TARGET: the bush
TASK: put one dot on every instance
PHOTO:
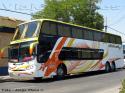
(123, 87)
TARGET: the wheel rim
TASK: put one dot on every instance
(60, 71)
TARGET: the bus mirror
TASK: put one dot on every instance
(31, 48)
(1, 53)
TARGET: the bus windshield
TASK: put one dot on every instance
(20, 53)
(26, 30)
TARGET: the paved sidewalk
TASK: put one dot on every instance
(5, 78)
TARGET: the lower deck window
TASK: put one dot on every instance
(81, 54)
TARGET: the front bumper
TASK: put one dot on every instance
(22, 75)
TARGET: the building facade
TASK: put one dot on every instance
(7, 30)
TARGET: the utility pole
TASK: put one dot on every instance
(106, 25)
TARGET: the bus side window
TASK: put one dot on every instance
(102, 37)
(77, 33)
(105, 38)
(53, 28)
(49, 28)
(80, 54)
(88, 34)
(43, 53)
(112, 39)
(98, 36)
(118, 40)
(45, 28)
(64, 30)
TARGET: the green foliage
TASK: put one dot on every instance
(123, 87)
(82, 12)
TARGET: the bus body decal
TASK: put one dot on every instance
(53, 61)
(70, 43)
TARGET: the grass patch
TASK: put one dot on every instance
(123, 87)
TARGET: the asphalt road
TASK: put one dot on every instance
(94, 82)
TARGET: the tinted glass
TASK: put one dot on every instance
(20, 52)
(118, 40)
(105, 38)
(53, 28)
(112, 39)
(20, 30)
(31, 29)
(98, 36)
(81, 54)
(64, 30)
(77, 33)
(49, 28)
(88, 34)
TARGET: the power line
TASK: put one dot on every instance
(16, 11)
(119, 20)
(115, 30)
(106, 27)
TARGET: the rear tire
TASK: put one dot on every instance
(107, 67)
(113, 66)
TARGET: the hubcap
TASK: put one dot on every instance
(60, 72)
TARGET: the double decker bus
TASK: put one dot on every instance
(46, 48)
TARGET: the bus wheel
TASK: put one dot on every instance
(107, 67)
(113, 66)
(61, 72)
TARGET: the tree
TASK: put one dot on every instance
(81, 12)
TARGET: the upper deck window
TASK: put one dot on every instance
(31, 29)
(49, 28)
(19, 30)
(26, 30)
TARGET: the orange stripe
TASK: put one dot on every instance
(54, 59)
(62, 42)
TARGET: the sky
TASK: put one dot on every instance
(25, 6)
(112, 10)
